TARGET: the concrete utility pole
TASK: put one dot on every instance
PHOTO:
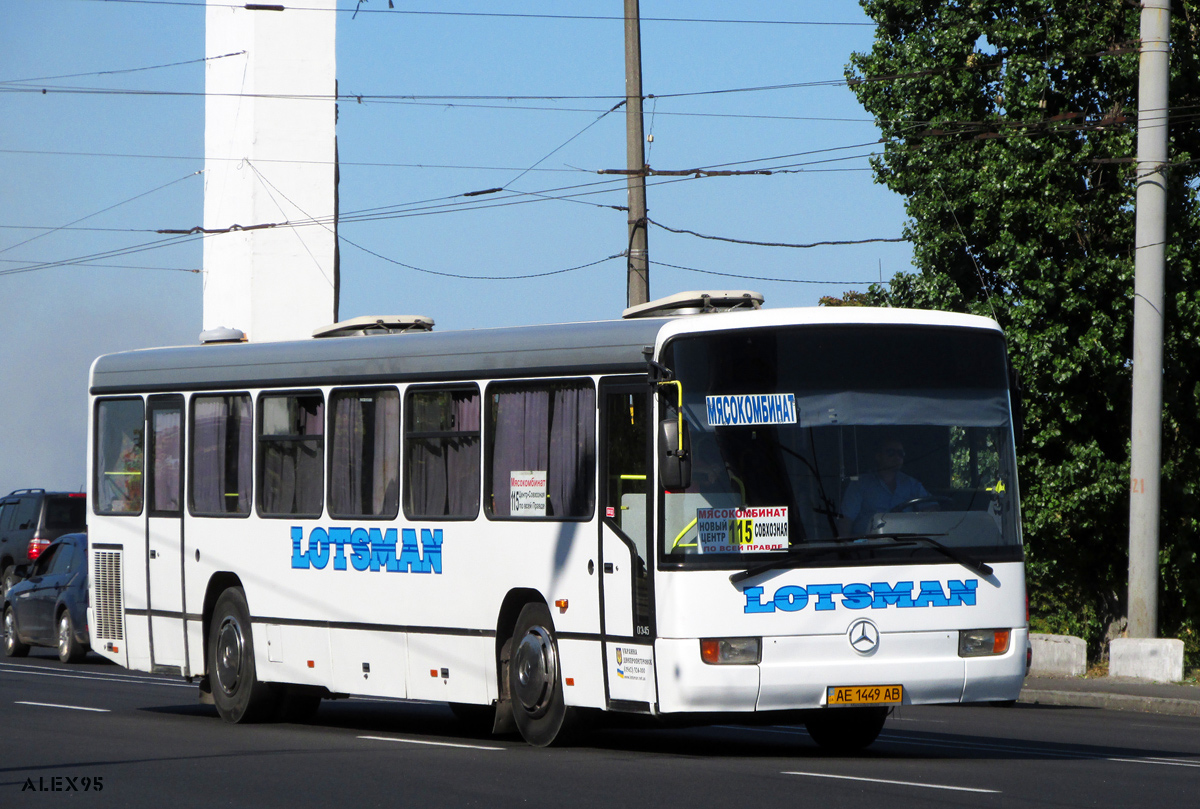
(1149, 252)
(270, 157)
(638, 265)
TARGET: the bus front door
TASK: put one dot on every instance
(627, 622)
(164, 534)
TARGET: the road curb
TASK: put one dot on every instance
(1114, 702)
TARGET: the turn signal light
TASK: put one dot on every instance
(730, 651)
(983, 642)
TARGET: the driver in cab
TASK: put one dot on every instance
(879, 492)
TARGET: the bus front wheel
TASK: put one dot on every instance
(535, 680)
(845, 730)
(236, 691)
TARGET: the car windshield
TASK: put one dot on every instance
(806, 437)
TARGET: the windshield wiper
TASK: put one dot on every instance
(796, 555)
(791, 560)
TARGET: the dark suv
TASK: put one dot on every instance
(29, 520)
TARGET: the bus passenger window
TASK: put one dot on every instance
(120, 430)
(291, 448)
(541, 450)
(222, 433)
(364, 450)
(441, 453)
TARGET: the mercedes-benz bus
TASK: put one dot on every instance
(703, 511)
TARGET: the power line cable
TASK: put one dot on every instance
(501, 15)
(102, 210)
(771, 244)
(601, 117)
(122, 70)
(760, 277)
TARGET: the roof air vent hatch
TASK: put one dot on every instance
(374, 325)
(697, 302)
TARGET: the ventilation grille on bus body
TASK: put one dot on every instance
(110, 609)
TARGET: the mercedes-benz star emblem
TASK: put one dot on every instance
(864, 636)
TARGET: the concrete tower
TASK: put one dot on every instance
(270, 158)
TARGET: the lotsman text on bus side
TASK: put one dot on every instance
(365, 549)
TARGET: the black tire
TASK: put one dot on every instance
(846, 730)
(69, 649)
(535, 680)
(236, 691)
(8, 580)
(12, 644)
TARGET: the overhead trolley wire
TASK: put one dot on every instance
(496, 14)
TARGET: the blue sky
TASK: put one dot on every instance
(86, 174)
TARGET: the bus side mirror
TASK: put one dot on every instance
(1016, 396)
(674, 463)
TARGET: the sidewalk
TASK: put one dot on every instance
(1114, 693)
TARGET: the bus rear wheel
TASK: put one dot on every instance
(535, 681)
(845, 730)
(236, 691)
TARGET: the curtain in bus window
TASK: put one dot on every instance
(551, 431)
(442, 463)
(120, 429)
(222, 442)
(165, 486)
(572, 451)
(365, 467)
(292, 447)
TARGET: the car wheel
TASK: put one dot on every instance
(69, 649)
(535, 682)
(12, 644)
(10, 578)
(845, 730)
(236, 691)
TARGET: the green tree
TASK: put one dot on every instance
(1010, 127)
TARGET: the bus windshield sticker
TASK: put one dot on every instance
(527, 494)
(742, 530)
(751, 409)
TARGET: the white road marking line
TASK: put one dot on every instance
(1038, 751)
(434, 744)
(69, 707)
(104, 678)
(897, 783)
(1164, 761)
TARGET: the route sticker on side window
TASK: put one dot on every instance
(527, 493)
(742, 530)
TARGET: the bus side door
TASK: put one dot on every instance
(626, 595)
(164, 533)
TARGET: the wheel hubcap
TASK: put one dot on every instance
(229, 655)
(537, 670)
(10, 630)
(64, 636)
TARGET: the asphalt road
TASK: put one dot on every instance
(146, 742)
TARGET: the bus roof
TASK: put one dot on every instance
(565, 349)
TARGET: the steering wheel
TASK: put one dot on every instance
(916, 501)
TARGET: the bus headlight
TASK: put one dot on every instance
(982, 642)
(730, 651)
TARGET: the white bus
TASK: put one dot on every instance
(752, 515)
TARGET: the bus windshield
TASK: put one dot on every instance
(845, 442)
